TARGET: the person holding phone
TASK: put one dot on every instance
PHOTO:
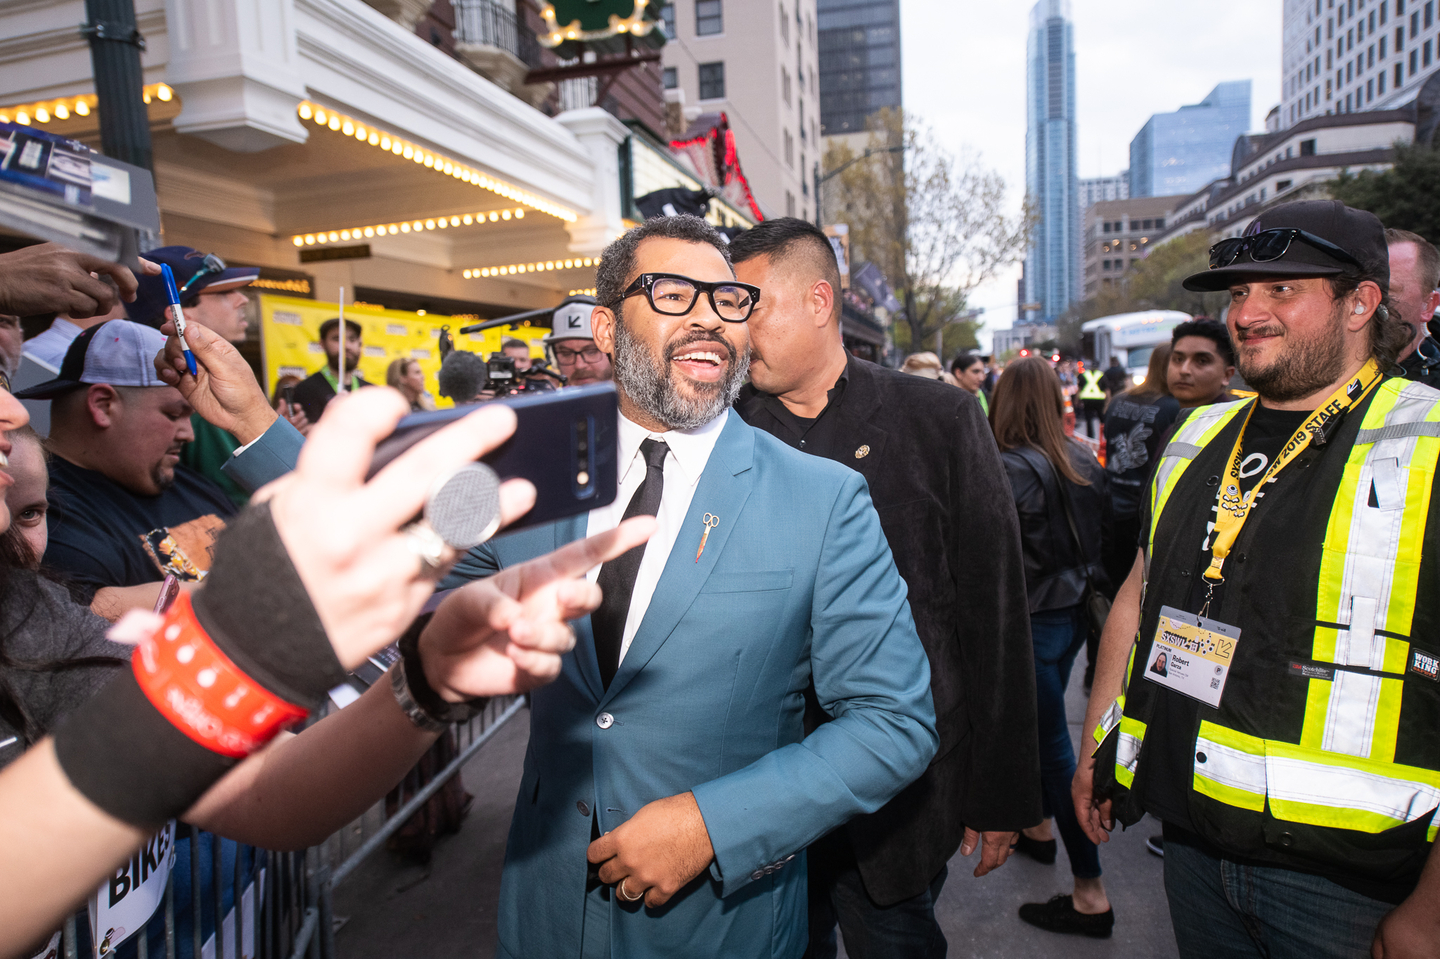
(342, 577)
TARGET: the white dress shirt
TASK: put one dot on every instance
(689, 452)
(49, 348)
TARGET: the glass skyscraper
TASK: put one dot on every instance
(859, 44)
(1051, 263)
(1178, 153)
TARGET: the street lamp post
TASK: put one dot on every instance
(819, 179)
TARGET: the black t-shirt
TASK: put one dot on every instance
(1133, 430)
(103, 535)
(818, 436)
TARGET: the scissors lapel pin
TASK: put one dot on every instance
(711, 521)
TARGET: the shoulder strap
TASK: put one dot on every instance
(1048, 475)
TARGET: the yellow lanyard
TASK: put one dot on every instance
(1233, 509)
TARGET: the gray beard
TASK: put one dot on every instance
(1306, 368)
(648, 381)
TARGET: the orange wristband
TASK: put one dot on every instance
(201, 692)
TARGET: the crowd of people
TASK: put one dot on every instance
(817, 645)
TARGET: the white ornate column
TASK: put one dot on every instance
(234, 64)
(600, 134)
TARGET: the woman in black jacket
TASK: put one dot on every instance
(1060, 497)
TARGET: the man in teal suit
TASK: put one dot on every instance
(669, 790)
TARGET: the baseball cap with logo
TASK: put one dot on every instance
(572, 320)
(1359, 236)
(195, 273)
(117, 352)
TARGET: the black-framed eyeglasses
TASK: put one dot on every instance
(1272, 245)
(589, 354)
(676, 295)
(211, 265)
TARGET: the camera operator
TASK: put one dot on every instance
(572, 344)
(527, 375)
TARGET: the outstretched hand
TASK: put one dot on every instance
(50, 278)
(223, 390)
(507, 633)
(348, 537)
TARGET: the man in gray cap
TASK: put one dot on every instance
(124, 511)
(572, 345)
(1289, 573)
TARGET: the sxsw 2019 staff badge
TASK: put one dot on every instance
(1192, 655)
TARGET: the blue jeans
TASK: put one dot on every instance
(1058, 634)
(1221, 908)
(906, 930)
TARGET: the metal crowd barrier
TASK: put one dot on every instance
(290, 911)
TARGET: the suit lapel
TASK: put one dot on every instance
(723, 489)
(860, 416)
(568, 531)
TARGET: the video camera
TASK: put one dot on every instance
(502, 379)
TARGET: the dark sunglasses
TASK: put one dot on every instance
(211, 265)
(1272, 245)
(676, 295)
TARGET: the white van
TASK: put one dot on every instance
(1130, 336)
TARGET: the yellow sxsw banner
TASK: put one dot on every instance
(290, 339)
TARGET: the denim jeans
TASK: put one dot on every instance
(1058, 634)
(906, 930)
(1221, 908)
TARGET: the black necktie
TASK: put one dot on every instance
(617, 577)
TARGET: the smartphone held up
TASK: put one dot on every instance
(564, 444)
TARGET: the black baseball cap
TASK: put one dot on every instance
(1357, 232)
(193, 275)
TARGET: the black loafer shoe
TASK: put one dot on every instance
(1059, 915)
(1040, 851)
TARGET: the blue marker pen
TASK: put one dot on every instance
(179, 316)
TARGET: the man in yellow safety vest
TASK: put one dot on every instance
(1092, 397)
(1289, 576)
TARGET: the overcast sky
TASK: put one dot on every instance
(964, 73)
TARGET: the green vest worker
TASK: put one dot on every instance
(1092, 390)
(1289, 575)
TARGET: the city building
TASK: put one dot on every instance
(1291, 164)
(1021, 336)
(1118, 233)
(1347, 56)
(1051, 262)
(754, 61)
(1093, 190)
(1180, 152)
(859, 62)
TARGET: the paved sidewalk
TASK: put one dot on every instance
(447, 911)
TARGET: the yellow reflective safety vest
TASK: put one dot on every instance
(1091, 390)
(1325, 748)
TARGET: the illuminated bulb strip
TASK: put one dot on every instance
(350, 127)
(411, 226)
(543, 266)
(43, 111)
(589, 292)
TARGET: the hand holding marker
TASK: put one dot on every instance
(179, 316)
